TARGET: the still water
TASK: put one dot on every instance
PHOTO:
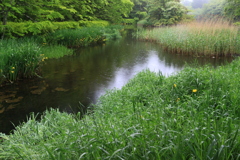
(71, 82)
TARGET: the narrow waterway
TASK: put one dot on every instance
(73, 83)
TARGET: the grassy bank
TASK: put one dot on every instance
(207, 38)
(191, 115)
(83, 37)
(22, 57)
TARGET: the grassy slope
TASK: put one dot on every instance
(191, 115)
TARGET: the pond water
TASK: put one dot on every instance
(73, 83)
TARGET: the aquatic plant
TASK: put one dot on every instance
(190, 115)
(55, 51)
(19, 58)
(206, 38)
(83, 36)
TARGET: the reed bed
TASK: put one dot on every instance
(191, 115)
(215, 38)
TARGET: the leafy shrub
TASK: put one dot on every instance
(12, 29)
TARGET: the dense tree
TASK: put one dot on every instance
(62, 10)
(139, 10)
(233, 9)
(165, 12)
(214, 8)
(114, 10)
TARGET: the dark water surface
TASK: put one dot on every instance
(82, 78)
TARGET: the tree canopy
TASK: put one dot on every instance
(156, 12)
(62, 10)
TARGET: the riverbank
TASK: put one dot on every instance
(211, 38)
(23, 57)
(191, 115)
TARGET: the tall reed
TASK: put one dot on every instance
(191, 115)
(204, 38)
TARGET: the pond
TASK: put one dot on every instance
(73, 83)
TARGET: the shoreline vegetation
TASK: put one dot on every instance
(209, 38)
(190, 115)
(23, 55)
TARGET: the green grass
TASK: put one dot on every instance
(19, 58)
(208, 38)
(22, 58)
(82, 37)
(191, 115)
(55, 51)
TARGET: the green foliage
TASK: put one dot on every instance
(19, 59)
(84, 36)
(139, 10)
(129, 21)
(55, 51)
(13, 29)
(115, 10)
(60, 10)
(191, 115)
(233, 9)
(215, 8)
(94, 23)
(166, 13)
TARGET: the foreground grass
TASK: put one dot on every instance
(191, 115)
(207, 38)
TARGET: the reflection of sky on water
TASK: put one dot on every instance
(124, 74)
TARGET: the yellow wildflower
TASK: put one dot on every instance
(12, 71)
(175, 85)
(13, 67)
(194, 90)
(178, 99)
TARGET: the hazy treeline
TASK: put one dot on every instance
(222, 8)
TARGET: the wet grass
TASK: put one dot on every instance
(55, 51)
(207, 38)
(19, 58)
(191, 115)
(22, 58)
(83, 37)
